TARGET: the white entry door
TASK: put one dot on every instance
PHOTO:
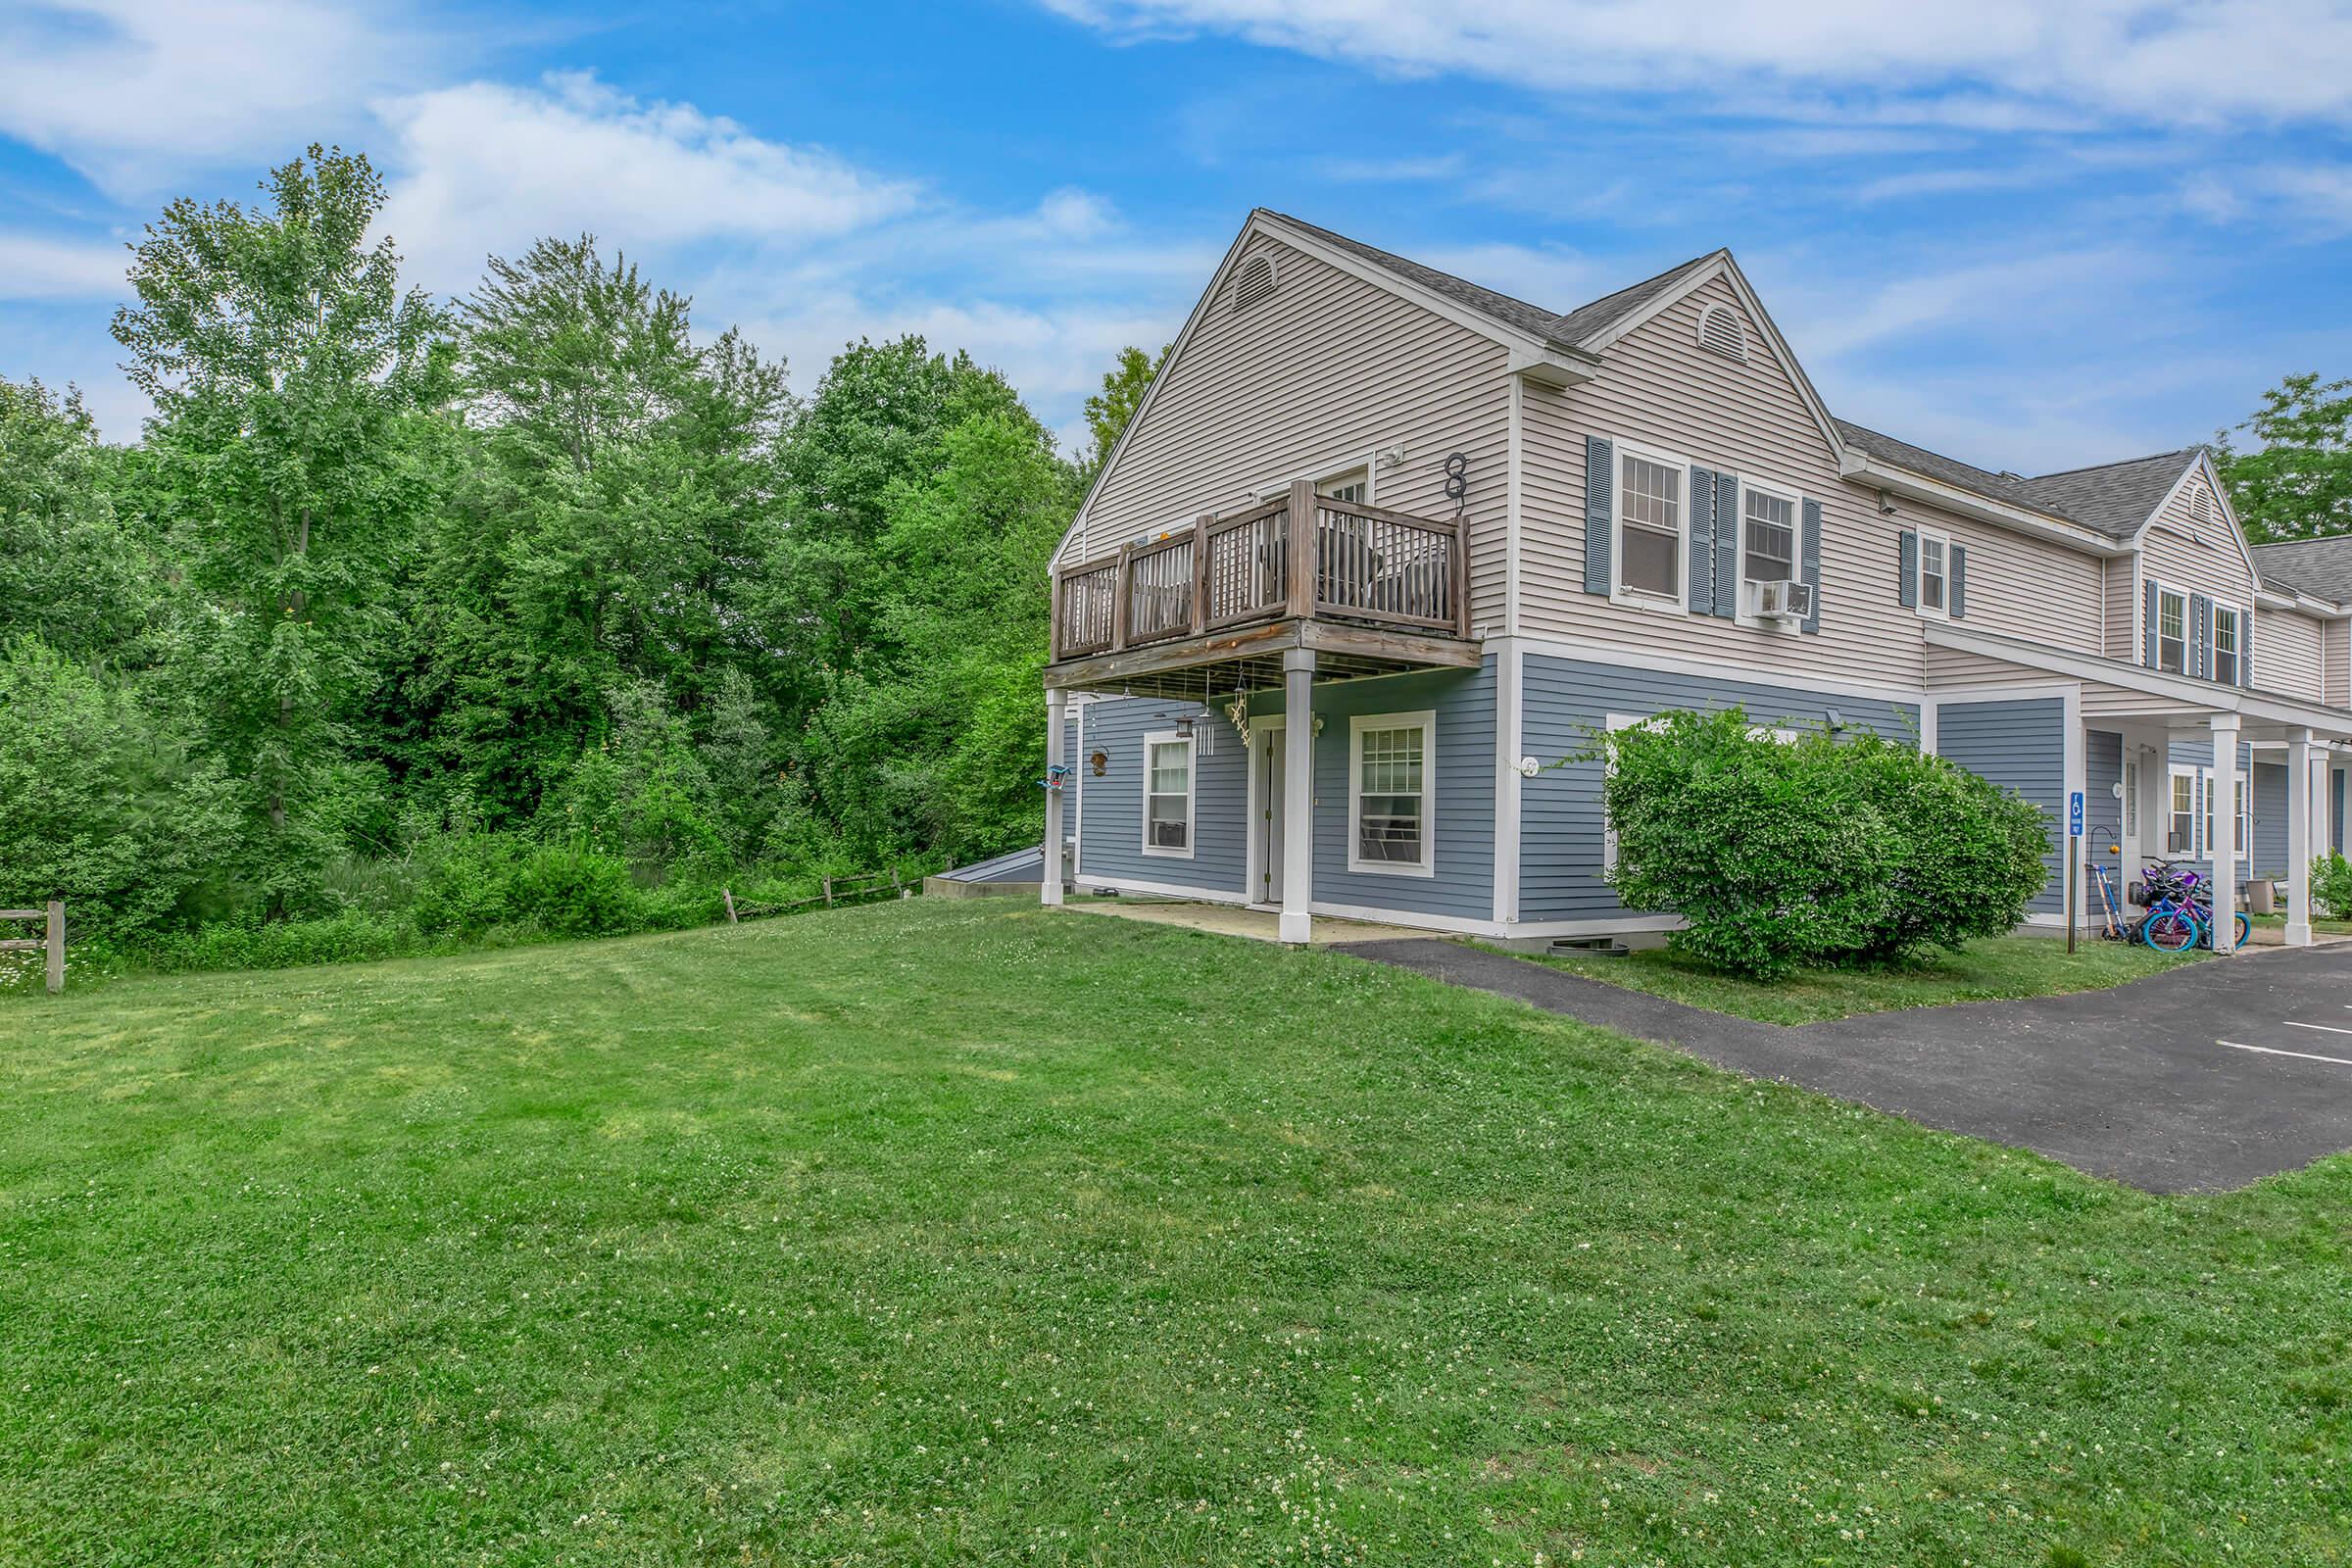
(1269, 812)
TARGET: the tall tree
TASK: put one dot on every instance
(70, 572)
(2297, 483)
(1110, 411)
(284, 358)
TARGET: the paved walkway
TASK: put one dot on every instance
(2201, 1078)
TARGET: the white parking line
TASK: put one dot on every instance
(2274, 1051)
(2324, 1028)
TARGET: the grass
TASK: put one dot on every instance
(960, 1232)
(1995, 969)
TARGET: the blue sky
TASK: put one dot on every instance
(2031, 235)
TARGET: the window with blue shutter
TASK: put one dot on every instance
(1813, 563)
(1907, 560)
(1727, 560)
(1709, 534)
(2148, 622)
(1601, 504)
(1959, 582)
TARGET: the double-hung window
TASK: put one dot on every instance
(2172, 630)
(1168, 794)
(1934, 574)
(2181, 838)
(1767, 537)
(1392, 769)
(1649, 529)
(2227, 652)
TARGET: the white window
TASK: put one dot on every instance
(1391, 777)
(1168, 794)
(2172, 630)
(1649, 531)
(2181, 837)
(1352, 485)
(1934, 574)
(1767, 536)
(2225, 644)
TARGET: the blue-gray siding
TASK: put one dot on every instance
(2019, 744)
(2102, 813)
(1560, 843)
(1462, 813)
(2269, 819)
(1110, 846)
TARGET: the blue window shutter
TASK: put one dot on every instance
(2201, 633)
(1726, 545)
(1703, 542)
(2245, 648)
(2148, 621)
(1600, 503)
(1908, 563)
(1812, 566)
(1957, 595)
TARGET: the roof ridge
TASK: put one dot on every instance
(1658, 277)
(2119, 463)
(1408, 261)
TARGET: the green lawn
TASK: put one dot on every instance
(1996, 968)
(960, 1232)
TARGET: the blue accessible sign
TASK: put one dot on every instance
(2074, 813)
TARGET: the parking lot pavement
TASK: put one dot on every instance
(2202, 1078)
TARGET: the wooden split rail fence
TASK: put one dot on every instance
(837, 890)
(51, 942)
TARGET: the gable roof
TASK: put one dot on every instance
(2318, 567)
(2115, 498)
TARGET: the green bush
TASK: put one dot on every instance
(467, 883)
(1823, 850)
(572, 892)
(2331, 885)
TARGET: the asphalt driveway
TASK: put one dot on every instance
(2202, 1078)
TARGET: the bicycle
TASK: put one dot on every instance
(2179, 915)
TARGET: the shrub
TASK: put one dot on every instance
(573, 892)
(1817, 851)
(467, 883)
(2331, 885)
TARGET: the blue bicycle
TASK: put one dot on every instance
(2179, 911)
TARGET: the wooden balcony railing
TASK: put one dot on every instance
(1365, 563)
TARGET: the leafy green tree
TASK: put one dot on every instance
(71, 573)
(284, 358)
(2297, 483)
(1110, 410)
(621, 518)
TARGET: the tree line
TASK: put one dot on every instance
(393, 587)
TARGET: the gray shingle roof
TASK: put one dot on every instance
(1570, 330)
(2115, 498)
(2110, 498)
(2320, 568)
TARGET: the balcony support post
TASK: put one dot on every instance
(1305, 549)
(1298, 794)
(1049, 874)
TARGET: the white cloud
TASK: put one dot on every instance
(36, 268)
(1990, 64)
(2316, 196)
(484, 167)
(131, 92)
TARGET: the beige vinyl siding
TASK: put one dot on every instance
(1312, 380)
(2335, 662)
(2286, 653)
(1658, 388)
(1954, 666)
(2123, 607)
(2203, 557)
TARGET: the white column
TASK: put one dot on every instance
(2298, 838)
(2225, 831)
(1056, 703)
(1297, 793)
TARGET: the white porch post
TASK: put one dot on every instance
(2298, 838)
(2225, 831)
(1056, 704)
(1297, 793)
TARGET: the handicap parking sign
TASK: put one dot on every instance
(2074, 813)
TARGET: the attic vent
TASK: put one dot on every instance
(1253, 282)
(1720, 332)
(2200, 506)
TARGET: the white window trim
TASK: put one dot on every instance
(2189, 632)
(1796, 551)
(2204, 817)
(1919, 574)
(1192, 793)
(2213, 646)
(2196, 811)
(1358, 723)
(1619, 594)
(1368, 466)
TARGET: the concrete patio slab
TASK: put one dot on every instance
(1232, 920)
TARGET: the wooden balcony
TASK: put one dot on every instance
(1374, 592)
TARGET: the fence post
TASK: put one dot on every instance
(828, 891)
(896, 886)
(729, 897)
(56, 944)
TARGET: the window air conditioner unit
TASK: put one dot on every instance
(1782, 600)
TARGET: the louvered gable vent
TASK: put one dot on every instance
(1253, 282)
(1720, 332)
